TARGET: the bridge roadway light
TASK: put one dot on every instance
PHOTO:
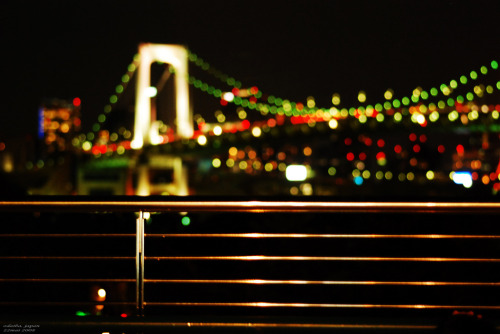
(151, 91)
(154, 133)
(296, 173)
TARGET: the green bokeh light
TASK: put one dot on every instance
(101, 118)
(186, 221)
(81, 313)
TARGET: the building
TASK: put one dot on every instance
(58, 123)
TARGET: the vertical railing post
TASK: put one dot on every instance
(139, 264)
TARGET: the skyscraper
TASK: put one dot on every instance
(59, 122)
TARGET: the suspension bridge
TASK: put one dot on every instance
(439, 137)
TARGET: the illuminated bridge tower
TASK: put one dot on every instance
(177, 57)
(145, 133)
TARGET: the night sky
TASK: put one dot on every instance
(291, 49)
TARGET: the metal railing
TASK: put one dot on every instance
(167, 289)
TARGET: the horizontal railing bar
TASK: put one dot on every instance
(36, 303)
(188, 205)
(67, 258)
(261, 235)
(69, 235)
(67, 280)
(319, 258)
(328, 236)
(313, 282)
(256, 258)
(326, 305)
(139, 324)
(300, 325)
(244, 281)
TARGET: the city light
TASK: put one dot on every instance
(333, 124)
(388, 94)
(463, 178)
(358, 180)
(362, 97)
(101, 293)
(336, 99)
(228, 96)
(296, 173)
(216, 163)
(256, 132)
(217, 130)
(202, 140)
